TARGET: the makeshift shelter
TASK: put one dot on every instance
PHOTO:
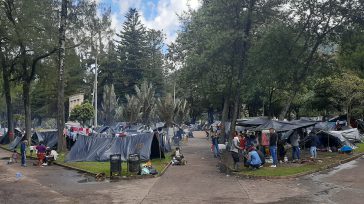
(252, 122)
(352, 134)
(279, 126)
(105, 130)
(329, 139)
(14, 144)
(99, 148)
(5, 138)
(360, 124)
(49, 138)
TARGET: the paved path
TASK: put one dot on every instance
(198, 182)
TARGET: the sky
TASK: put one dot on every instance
(155, 14)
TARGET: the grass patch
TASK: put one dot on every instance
(324, 159)
(104, 167)
(360, 148)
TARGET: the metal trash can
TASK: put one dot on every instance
(115, 165)
(134, 163)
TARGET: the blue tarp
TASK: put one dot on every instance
(95, 148)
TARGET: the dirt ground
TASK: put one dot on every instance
(200, 181)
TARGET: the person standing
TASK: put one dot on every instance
(41, 149)
(235, 147)
(265, 143)
(23, 150)
(273, 138)
(215, 143)
(314, 143)
(295, 146)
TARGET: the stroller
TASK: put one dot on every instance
(178, 158)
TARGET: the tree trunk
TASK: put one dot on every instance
(348, 114)
(287, 106)
(9, 106)
(60, 99)
(243, 50)
(225, 112)
(28, 117)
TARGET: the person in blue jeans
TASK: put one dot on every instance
(215, 143)
(295, 146)
(23, 150)
(314, 143)
(273, 139)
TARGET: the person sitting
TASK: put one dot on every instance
(178, 158)
(253, 159)
(48, 157)
(14, 157)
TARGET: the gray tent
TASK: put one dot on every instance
(95, 148)
(48, 137)
(352, 134)
(329, 139)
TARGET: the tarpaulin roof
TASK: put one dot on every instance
(279, 126)
(325, 125)
(6, 140)
(253, 122)
(303, 123)
(95, 148)
(14, 144)
(49, 138)
(350, 134)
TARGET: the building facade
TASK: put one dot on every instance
(76, 99)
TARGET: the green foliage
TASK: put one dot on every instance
(342, 92)
(130, 111)
(351, 55)
(82, 113)
(166, 109)
(145, 97)
(131, 50)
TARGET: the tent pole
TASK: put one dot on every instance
(160, 151)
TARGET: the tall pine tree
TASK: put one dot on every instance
(131, 50)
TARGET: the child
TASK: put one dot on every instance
(178, 157)
(14, 157)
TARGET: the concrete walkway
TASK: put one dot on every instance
(197, 182)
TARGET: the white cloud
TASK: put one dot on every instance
(124, 5)
(166, 18)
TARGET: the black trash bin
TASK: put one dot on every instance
(134, 163)
(115, 165)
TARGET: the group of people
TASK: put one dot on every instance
(44, 154)
(255, 147)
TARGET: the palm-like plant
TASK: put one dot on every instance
(145, 96)
(166, 109)
(182, 112)
(131, 110)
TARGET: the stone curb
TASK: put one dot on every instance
(94, 174)
(237, 174)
